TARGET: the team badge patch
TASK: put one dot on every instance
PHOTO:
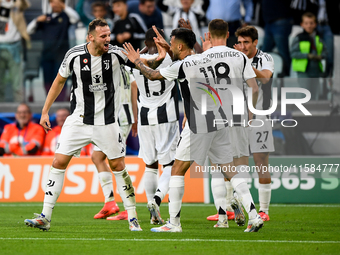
(85, 61)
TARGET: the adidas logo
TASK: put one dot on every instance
(263, 147)
(85, 68)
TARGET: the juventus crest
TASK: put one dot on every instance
(107, 64)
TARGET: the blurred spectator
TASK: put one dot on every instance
(22, 138)
(149, 12)
(307, 51)
(127, 27)
(187, 11)
(12, 30)
(230, 11)
(324, 16)
(51, 139)
(46, 8)
(278, 21)
(98, 11)
(54, 27)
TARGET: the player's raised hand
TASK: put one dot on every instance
(161, 52)
(45, 122)
(206, 43)
(160, 40)
(130, 52)
(237, 46)
(185, 24)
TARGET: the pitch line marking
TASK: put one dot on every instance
(171, 240)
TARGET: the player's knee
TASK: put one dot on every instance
(117, 164)
(60, 163)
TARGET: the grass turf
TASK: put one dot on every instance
(311, 229)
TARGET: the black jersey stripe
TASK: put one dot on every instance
(127, 113)
(86, 79)
(174, 96)
(209, 119)
(110, 91)
(144, 116)
(161, 114)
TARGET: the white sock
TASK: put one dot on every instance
(219, 193)
(265, 192)
(230, 192)
(176, 191)
(105, 179)
(126, 192)
(150, 182)
(242, 190)
(163, 185)
(54, 187)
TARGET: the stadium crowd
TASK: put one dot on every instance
(128, 20)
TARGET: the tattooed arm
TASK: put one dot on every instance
(148, 72)
(133, 56)
(152, 62)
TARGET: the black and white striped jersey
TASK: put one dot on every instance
(125, 112)
(157, 100)
(204, 80)
(95, 81)
(263, 61)
(236, 78)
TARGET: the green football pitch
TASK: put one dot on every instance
(293, 229)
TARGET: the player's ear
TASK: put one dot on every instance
(228, 35)
(256, 42)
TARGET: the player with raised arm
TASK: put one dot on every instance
(95, 69)
(200, 137)
(158, 130)
(260, 138)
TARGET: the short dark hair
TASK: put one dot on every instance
(98, 4)
(185, 35)
(117, 1)
(247, 31)
(150, 34)
(218, 28)
(308, 15)
(96, 23)
(63, 1)
(144, 1)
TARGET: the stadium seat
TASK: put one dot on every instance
(31, 70)
(260, 32)
(278, 63)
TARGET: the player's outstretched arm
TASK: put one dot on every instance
(156, 61)
(206, 43)
(133, 56)
(53, 93)
(263, 75)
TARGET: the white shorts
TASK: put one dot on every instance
(261, 138)
(239, 141)
(158, 142)
(196, 147)
(124, 131)
(74, 136)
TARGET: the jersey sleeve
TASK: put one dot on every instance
(65, 70)
(171, 72)
(248, 71)
(118, 51)
(267, 62)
